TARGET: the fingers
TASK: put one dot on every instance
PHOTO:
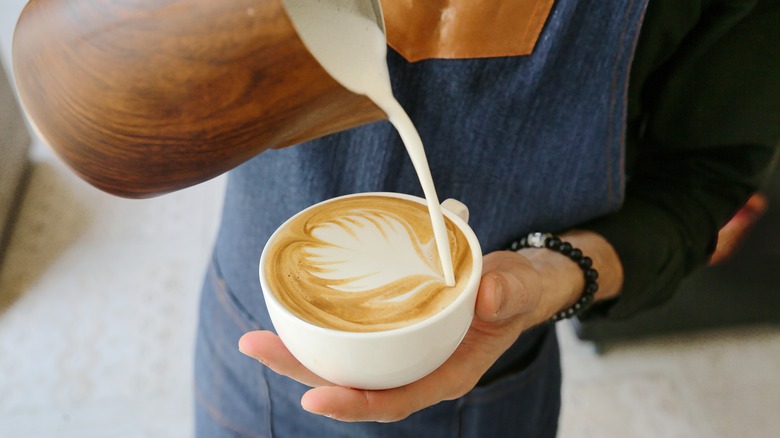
(453, 379)
(269, 349)
(509, 287)
(457, 376)
(347, 404)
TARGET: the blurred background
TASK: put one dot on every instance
(98, 299)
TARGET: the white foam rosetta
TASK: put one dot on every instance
(367, 250)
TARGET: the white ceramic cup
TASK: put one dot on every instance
(384, 359)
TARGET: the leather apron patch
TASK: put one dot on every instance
(456, 29)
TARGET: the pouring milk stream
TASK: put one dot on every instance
(352, 49)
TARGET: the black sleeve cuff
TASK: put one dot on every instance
(653, 255)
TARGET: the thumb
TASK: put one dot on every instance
(503, 295)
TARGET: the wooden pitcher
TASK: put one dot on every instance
(144, 97)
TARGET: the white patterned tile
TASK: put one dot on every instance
(639, 407)
(720, 382)
(98, 311)
(748, 356)
(742, 411)
(106, 418)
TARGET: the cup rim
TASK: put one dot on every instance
(476, 274)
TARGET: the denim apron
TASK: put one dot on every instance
(527, 143)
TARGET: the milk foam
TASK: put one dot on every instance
(367, 250)
(351, 47)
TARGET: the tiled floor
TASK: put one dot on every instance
(97, 314)
(97, 309)
(716, 384)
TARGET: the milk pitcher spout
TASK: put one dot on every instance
(145, 97)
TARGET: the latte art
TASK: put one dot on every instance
(367, 249)
(364, 263)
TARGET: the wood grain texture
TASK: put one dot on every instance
(144, 97)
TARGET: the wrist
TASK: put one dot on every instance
(605, 260)
(568, 266)
(561, 280)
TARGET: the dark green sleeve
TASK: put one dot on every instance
(702, 132)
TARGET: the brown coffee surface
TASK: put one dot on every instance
(364, 263)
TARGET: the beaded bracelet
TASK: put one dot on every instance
(550, 241)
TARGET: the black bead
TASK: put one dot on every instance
(585, 263)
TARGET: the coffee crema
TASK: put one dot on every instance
(364, 263)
